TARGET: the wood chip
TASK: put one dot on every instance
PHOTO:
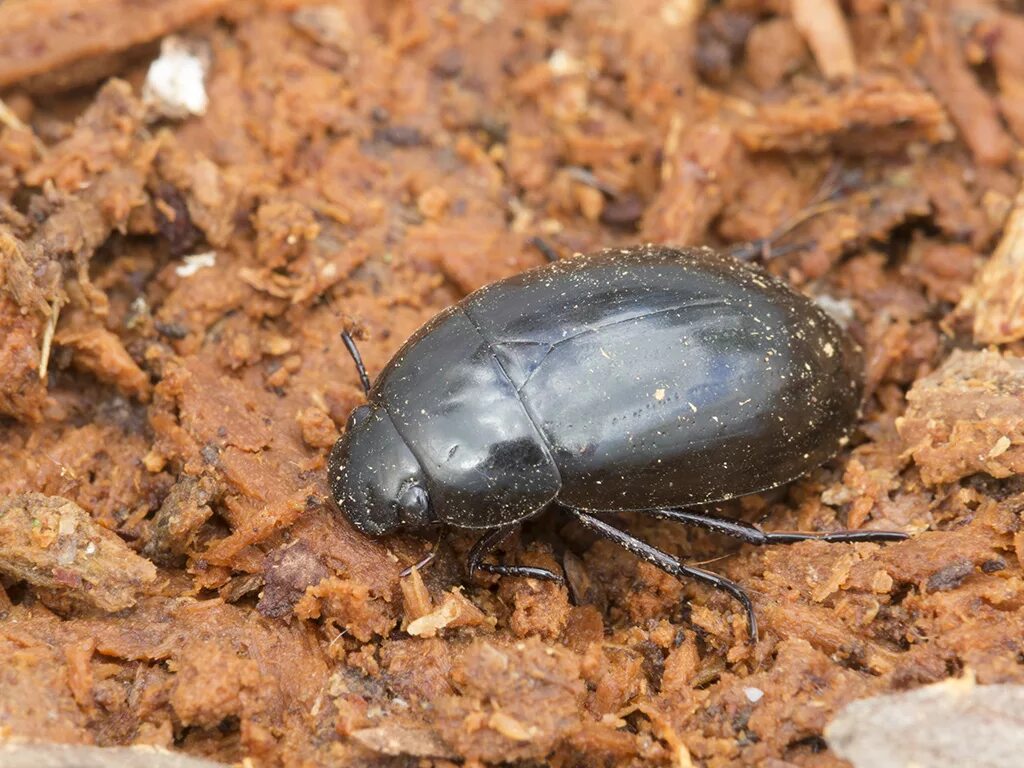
(973, 110)
(966, 417)
(39, 36)
(399, 740)
(996, 299)
(892, 112)
(455, 611)
(415, 598)
(53, 543)
(80, 756)
(822, 24)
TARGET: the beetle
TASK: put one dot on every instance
(648, 379)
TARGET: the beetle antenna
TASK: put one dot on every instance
(824, 200)
(541, 245)
(427, 559)
(350, 345)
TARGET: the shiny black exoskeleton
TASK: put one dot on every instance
(644, 379)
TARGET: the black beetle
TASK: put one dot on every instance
(645, 379)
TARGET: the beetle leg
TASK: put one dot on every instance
(488, 543)
(669, 564)
(751, 534)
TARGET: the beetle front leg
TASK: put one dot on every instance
(491, 541)
(668, 563)
(751, 534)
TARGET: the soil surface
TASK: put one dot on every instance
(172, 569)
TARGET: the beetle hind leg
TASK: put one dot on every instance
(491, 541)
(749, 533)
(669, 564)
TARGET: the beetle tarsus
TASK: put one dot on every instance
(849, 537)
(521, 571)
(749, 533)
(491, 541)
(669, 564)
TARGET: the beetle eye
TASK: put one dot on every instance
(414, 505)
(357, 416)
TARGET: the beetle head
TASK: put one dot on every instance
(375, 480)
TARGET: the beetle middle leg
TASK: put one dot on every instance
(751, 534)
(491, 541)
(668, 563)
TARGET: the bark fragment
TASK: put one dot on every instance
(52, 543)
(967, 417)
(40, 36)
(996, 299)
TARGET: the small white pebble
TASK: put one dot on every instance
(841, 310)
(1002, 445)
(175, 83)
(753, 694)
(562, 62)
(196, 262)
(680, 13)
